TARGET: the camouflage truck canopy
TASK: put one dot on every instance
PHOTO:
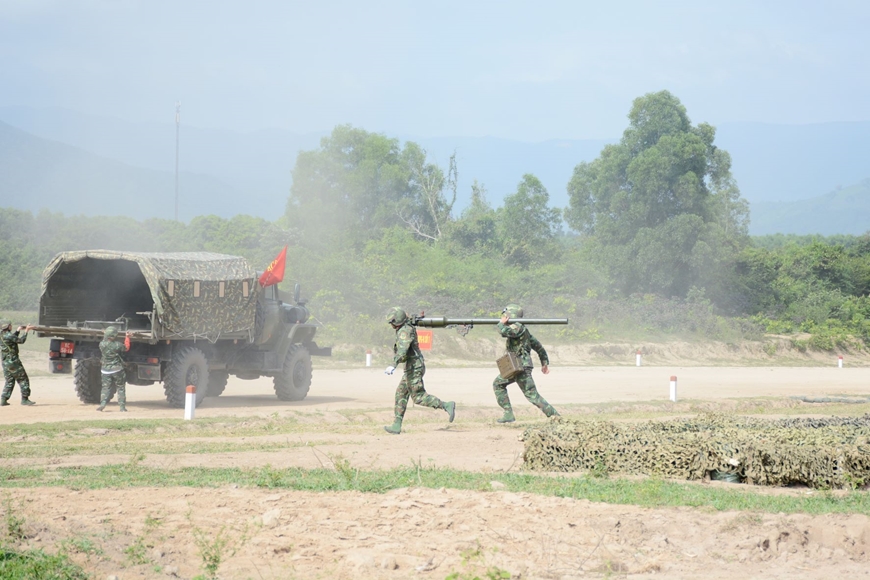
(192, 294)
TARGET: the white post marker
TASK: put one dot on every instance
(189, 403)
(840, 361)
(368, 358)
(637, 359)
(674, 388)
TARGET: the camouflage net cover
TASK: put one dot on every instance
(827, 453)
(226, 302)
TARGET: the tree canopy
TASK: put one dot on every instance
(358, 183)
(661, 206)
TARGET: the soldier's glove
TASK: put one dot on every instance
(389, 370)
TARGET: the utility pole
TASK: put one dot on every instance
(177, 124)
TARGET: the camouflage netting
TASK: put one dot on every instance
(829, 453)
(195, 294)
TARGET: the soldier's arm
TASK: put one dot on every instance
(539, 348)
(403, 343)
(20, 338)
(510, 330)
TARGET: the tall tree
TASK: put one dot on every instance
(474, 232)
(661, 206)
(359, 183)
(527, 226)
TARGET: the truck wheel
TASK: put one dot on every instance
(293, 382)
(217, 382)
(87, 381)
(187, 367)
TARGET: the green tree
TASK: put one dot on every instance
(526, 226)
(660, 207)
(474, 232)
(359, 183)
(425, 209)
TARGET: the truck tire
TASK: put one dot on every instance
(187, 367)
(294, 380)
(87, 381)
(217, 382)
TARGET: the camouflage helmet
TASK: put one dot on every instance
(110, 332)
(396, 316)
(4, 324)
(513, 310)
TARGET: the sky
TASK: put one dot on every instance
(530, 71)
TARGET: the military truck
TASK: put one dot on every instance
(194, 318)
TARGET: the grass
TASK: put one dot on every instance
(30, 564)
(639, 492)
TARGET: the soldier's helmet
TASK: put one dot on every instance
(110, 332)
(4, 324)
(396, 316)
(514, 310)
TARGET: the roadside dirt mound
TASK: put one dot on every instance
(427, 533)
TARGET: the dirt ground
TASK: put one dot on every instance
(425, 533)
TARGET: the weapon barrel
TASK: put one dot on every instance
(442, 321)
(72, 332)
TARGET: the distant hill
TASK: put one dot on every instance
(791, 162)
(255, 167)
(844, 211)
(262, 161)
(38, 173)
(226, 172)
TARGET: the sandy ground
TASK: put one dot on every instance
(369, 388)
(423, 533)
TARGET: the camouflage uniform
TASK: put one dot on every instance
(407, 350)
(520, 342)
(13, 369)
(112, 371)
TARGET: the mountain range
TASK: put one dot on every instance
(798, 179)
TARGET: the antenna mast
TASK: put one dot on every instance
(177, 124)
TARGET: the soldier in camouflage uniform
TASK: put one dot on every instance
(112, 370)
(407, 351)
(520, 342)
(13, 370)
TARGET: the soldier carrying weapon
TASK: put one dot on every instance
(13, 369)
(520, 342)
(407, 351)
(518, 360)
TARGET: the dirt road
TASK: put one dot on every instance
(369, 388)
(426, 533)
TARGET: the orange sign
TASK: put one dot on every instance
(424, 339)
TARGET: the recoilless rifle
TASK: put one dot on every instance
(465, 324)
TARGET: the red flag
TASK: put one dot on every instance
(275, 272)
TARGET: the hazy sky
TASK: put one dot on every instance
(521, 70)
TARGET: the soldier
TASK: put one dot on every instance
(113, 374)
(520, 342)
(407, 351)
(13, 370)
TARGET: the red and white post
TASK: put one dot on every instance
(368, 358)
(189, 403)
(674, 388)
(840, 361)
(637, 359)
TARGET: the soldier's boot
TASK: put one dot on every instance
(508, 417)
(122, 408)
(102, 405)
(450, 407)
(26, 401)
(4, 402)
(395, 428)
